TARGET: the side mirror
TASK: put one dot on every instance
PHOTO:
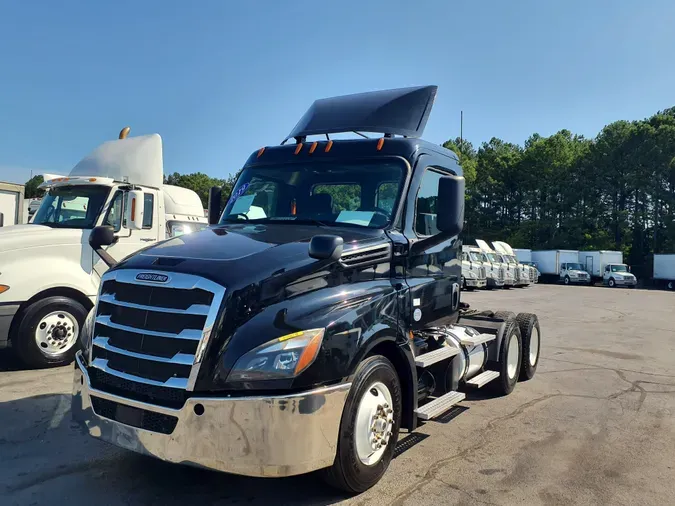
(102, 236)
(135, 210)
(450, 211)
(326, 247)
(215, 196)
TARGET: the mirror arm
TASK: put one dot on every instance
(106, 257)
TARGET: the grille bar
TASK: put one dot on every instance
(102, 364)
(178, 358)
(195, 309)
(190, 334)
(152, 329)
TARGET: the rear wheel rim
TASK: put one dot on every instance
(374, 423)
(56, 333)
(512, 356)
(534, 346)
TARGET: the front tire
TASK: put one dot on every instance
(47, 333)
(530, 334)
(611, 283)
(567, 280)
(368, 429)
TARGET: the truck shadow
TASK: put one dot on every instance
(45, 455)
(9, 362)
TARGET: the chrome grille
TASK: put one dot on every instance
(153, 333)
(482, 273)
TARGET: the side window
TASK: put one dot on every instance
(113, 217)
(344, 197)
(562, 267)
(425, 208)
(148, 207)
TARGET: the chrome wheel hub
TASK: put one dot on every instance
(56, 333)
(374, 423)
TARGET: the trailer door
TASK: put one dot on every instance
(589, 265)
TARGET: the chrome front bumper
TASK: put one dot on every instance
(475, 283)
(625, 282)
(254, 436)
(495, 282)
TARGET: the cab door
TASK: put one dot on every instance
(130, 241)
(434, 273)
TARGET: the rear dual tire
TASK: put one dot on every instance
(510, 355)
(353, 470)
(530, 332)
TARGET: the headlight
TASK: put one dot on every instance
(87, 333)
(281, 358)
(472, 275)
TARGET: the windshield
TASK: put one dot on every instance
(72, 206)
(512, 259)
(178, 228)
(351, 193)
(619, 268)
(574, 267)
(494, 258)
(476, 257)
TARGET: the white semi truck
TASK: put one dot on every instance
(524, 256)
(474, 273)
(521, 272)
(499, 262)
(561, 265)
(50, 275)
(493, 274)
(664, 270)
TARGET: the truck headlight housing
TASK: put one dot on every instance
(282, 358)
(87, 333)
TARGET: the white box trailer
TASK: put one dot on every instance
(11, 204)
(595, 261)
(664, 270)
(549, 261)
(523, 255)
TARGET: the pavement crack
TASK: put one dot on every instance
(465, 492)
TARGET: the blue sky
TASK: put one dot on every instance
(218, 79)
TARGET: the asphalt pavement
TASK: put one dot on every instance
(596, 425)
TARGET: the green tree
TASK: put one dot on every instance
(31, 188)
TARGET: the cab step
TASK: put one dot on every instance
(471, 341)
(432, 357)
(483, 378)
(439, 405)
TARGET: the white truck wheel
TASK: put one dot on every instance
(369, 427)
(48, 330)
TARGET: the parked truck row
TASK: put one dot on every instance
(496, 266)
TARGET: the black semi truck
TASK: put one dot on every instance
(315, 318)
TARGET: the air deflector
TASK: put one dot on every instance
(402, 111)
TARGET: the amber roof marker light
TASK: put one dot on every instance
(380, 143)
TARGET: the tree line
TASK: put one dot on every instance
(615, 191)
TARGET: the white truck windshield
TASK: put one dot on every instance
(72, 206)
(619, 268)
(351, 193)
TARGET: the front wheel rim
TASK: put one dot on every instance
(374, 423)
(56, 333)
(513, 356)
(534, 346)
